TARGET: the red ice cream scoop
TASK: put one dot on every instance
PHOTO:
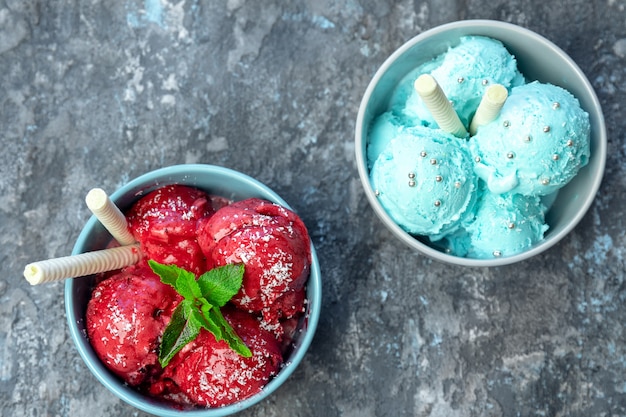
(125, 319)
(211, 374)
(165, 221)
(274, 245)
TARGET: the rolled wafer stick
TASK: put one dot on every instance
(109, 215)
(489, 107)
(81, 265)
(439, 106)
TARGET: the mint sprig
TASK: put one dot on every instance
(200, 307)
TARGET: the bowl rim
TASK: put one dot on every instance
(143, 402)
(361, 141)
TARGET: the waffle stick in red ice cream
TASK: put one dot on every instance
(96, 262)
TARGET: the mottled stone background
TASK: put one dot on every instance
(95, 93)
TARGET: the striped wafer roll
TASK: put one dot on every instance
(109, 215)
(81, 265)
(489, 107)
(439, 106)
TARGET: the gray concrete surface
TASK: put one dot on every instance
(96, 93)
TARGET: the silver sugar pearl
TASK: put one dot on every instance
(555, 157)
(570, 143)
(506, 123)
(528, 138)
(556, 105)
(411, 183)
(437, 203)
(460, 80)
(485, 82)
(438, 178)
(497, 253)
(545, 181)
(511, 225)
(411, 174)
(477, 159)
(433, 161)
(510, 155)
(423, 154)
(546, 129)
(377, 193)
(457, 184)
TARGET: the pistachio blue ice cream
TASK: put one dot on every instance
(464, 72)
(537, 144)
(424, 179)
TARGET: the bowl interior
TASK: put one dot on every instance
(538, 59)
(215, 180)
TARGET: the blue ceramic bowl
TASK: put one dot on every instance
(215, 180)
(538, 59)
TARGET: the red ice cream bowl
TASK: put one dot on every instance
(538, 59)
(215, 180)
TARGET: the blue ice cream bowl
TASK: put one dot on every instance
(218, 181)
(538, 59)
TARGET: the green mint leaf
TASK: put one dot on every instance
(182, 280)
(178, 332)
(229, 334)
(203, 315)
(200, 307)
(219, 285)
(168, 273)
(187, 286)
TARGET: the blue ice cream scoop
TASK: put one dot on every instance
(384, 128)
(504, 225)
(464, 72)
(536, 145)
(425, 181)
